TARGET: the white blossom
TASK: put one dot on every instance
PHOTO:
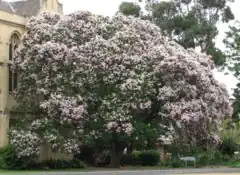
(26, 143)
(83, 68)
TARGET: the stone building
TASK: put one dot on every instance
(13, 18)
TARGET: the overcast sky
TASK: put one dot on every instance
(102, 7)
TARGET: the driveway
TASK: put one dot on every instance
(205, 171)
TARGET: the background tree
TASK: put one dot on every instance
(232, 42)
(96, 79)
(130, 8)
(191, 23)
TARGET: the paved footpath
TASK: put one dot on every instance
(200, 171)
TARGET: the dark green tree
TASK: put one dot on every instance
(130, 8)
(232, 42)
(191, 23)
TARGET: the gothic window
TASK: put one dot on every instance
(13, 76)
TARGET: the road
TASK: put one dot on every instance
(207, 171)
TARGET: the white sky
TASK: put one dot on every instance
(110, 7)
(101, 7)
(229, 80)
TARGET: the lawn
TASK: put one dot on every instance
(129, 168)
(235, 165)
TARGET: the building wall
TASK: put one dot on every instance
(52, 6)
(9, 24)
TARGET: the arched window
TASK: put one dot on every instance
(13, 76)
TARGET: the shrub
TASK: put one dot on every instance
(131, 159)
(145, 158)
(10, 161)
(60, 164)
(136, 157)
(228, 146)
(149, 158)
(8, 157)
(212, 157)
(176, 163)
(203, 159)
(77, 163)
(235, 164)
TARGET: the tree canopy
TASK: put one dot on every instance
(130, 8)
(88, 78)
(232, 42)
(191, 23)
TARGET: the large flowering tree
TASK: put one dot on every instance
(90, 78)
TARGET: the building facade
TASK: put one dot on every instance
(13, 18)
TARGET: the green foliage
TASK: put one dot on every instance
(149, 158)
(236, 94)
(212, 157)
(10, 161)
(219, 56)
(60, 164)
(136, 155)
(131, 159)
(127, 159)
(235, 164)
(144, 158)
(145, 135)
(191, 23)
(130, 8)
(207, 158)
(232, 43)
(229, 146)
(235, 161)
(178, 149)
(231, 131)
(9, 158)
(176, 163)
(203, 158)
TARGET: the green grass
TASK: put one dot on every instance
(34, 171)
(89, 169)
(235, 164)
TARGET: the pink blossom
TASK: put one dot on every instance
(82, 66)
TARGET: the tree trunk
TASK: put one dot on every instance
(116, 155)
